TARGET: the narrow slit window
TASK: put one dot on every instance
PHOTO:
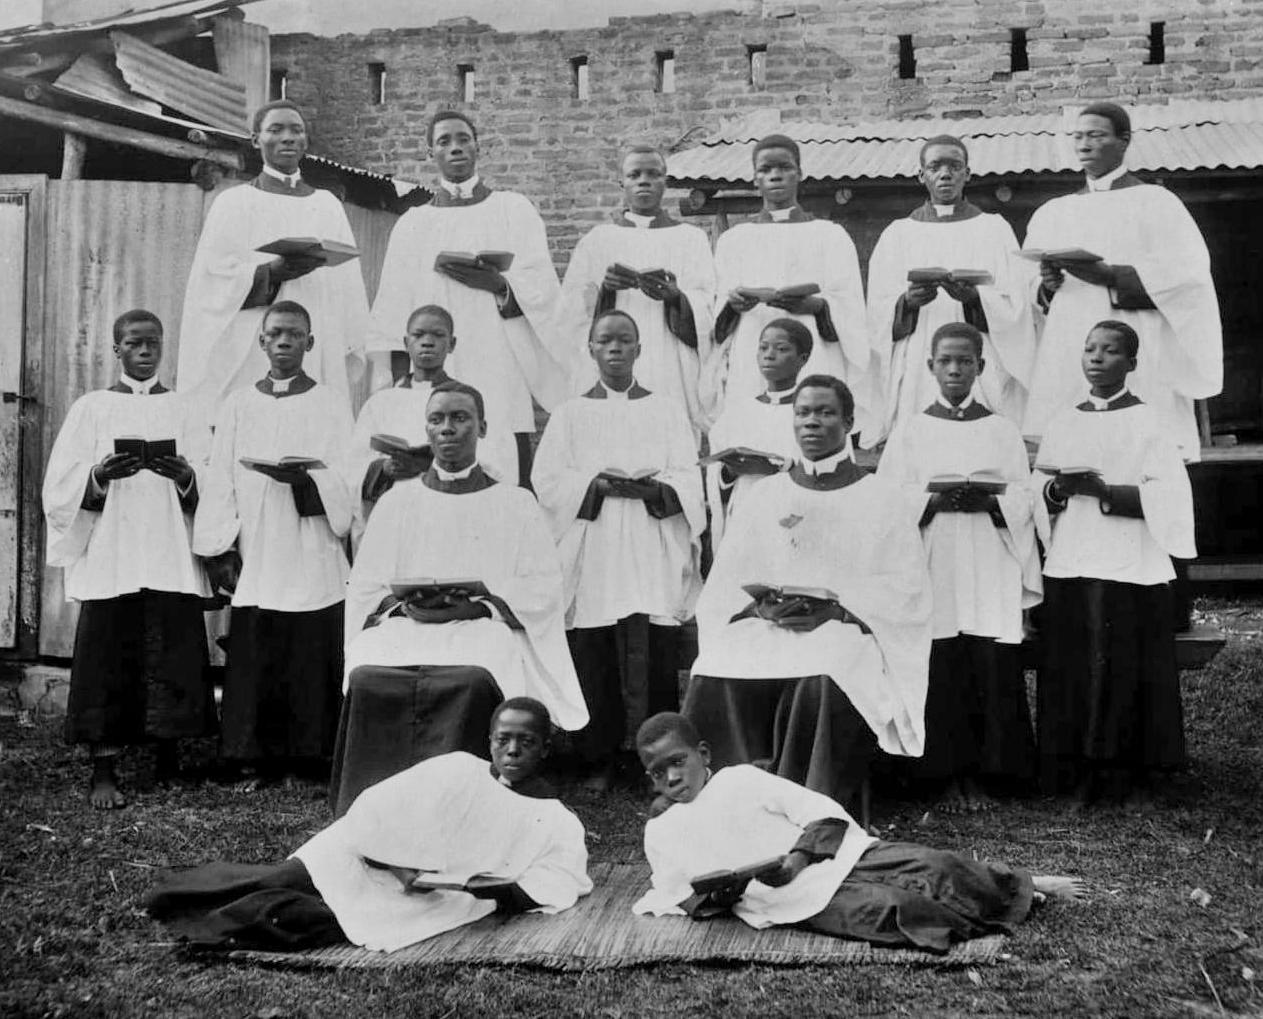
(1157, 42)
(907, 58)
(664, 63)
(1018, 58)
(579, 77)
(465, 81)
(279, 84)
(757, 55)
(377, 83)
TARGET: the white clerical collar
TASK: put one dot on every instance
(961, 407)
(291, 179)
(454, 475)
(781, 395)
(830, 463)
(459, 189)
(944, 210)
(1103, 404)
(136, 385)
(615, 394)
(1106, 181)
(781, 215)
(637, 220)
(281, 385)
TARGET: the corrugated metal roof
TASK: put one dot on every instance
(97, 78)
(28, 34)
(1190, 135)
(153, 72)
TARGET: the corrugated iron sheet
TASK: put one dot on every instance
(97, 78)
(243, 54)
(111, 246)
(205, 95)
(28, 34)
(1230, 144)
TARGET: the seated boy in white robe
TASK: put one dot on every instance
(454, 602)
(763, 423)
(774, 853)
(616, 473)
(274, 534)
(445, 843)
(814, 624)
(120, 523)
(984, 567)
(1113, 485)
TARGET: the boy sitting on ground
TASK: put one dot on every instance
(822, 871)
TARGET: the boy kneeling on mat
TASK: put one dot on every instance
(774, 852)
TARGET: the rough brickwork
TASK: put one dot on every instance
(834, 61)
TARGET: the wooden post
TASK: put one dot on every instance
(74, 148)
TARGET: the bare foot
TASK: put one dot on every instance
(977, 800)
(105, 793)
(1057, 886)
(598, 781)
(953, 800)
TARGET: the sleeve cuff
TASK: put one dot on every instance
(263, 289)
(508, 306)
(905, 322)
(1128, 292)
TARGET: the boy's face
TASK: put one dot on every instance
(614, 348)
(139, 349)
(517, 746)
(955, 365)
(1106, 361)
(454, 149)
(777, 175)
(820, 426)
(282, 139)
(644, 181)
(944, 172)
(285, 338)
(677, 770)
(453, 427)
(429, 341)
(779, 358)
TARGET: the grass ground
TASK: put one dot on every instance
(73, 942)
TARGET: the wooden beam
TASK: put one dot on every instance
(74, 148)
(117, 135)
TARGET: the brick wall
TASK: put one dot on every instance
(834, 61)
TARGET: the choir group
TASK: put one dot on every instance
(404, 582)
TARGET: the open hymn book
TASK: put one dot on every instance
(745, 453)
(717, 879)
(937, 274)
(145, 450)
(766, 295)
(406, 587)
(393, 445)
(330, 252)
(782, 591)
(614, 474)
(500, 260)
(985, 481)
(285, 463)
(480, 885)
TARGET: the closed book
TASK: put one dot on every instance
(717, 879)
(744, 453)
(331, 252)
(1061, 256)
(393, 445)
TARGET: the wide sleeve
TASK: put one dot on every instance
(216, 523)
(1017, 506)
(336, 494)
(670, 885)
(558, 876)
(560, 483)
(579, 292)
(399, 286)
(1166, 497)
(65, 482)
(797, 804)
(843, 291)
(375, 563)
(1006, 303)
(697, 282)
(681, 472)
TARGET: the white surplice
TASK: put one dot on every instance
(219, 340)
(1132, 446)
(983, 241)
(497, 535)
(142, 538)
(448, 815)
(625, 561)
(983, 576)
(508, 360)
(1181, 341)
(818, 251)
(666, 365)
(743, 815)
(756, 422)
(862, 542)
(289, 563)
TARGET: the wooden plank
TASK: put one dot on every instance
(14, 214)
(73, 153)
(1195, 648)
(1226, 569)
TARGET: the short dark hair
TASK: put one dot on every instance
(830, 382)
(957, 330)
(777, 141)
(256, 122)
(666, 723)
(642, 149)
(133, 316)
(612, 313)
(1112, 112)
(437, 310)
(943, 139)
(537, 709)
(1131, 341)
(452, 386)
(281, 307)
(798, 333)
(448, 115)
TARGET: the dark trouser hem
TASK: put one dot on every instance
(804, 729)
(140, 671)
(901, 894)
(395, 717)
